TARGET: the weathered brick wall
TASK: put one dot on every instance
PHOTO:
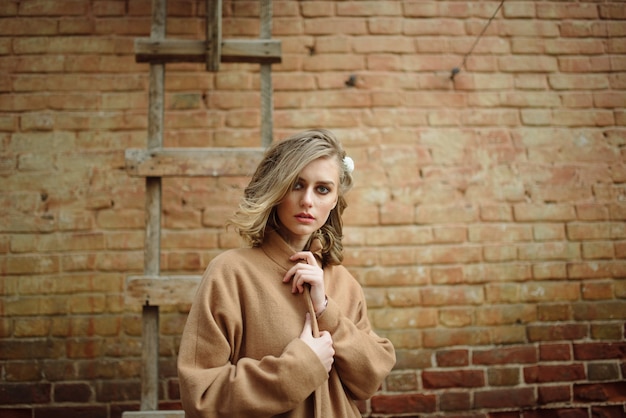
(487, 225)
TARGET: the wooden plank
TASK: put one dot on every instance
(266, 51)
(262, 51)
(152, 242)
(213, 44)
(267, 98)
(198, 162)
(160, 290)
(150, 358)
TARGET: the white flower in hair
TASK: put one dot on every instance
(348, 163)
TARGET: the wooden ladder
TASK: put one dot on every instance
(152, 289)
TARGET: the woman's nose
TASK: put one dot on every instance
(307, 198)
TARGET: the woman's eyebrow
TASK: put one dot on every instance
(329, 182)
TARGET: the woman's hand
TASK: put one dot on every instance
(321, 346)
(307, 272)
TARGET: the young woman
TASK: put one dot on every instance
(280, 328)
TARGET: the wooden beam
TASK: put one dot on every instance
(267, 97)
(213, 44)
(262, 51)
(152, 240)
(160, 290)
(198, 162)
(150, 358)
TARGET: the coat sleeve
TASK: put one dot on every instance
(214, 384)
(362, 358)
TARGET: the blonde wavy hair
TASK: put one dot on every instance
(275, 176)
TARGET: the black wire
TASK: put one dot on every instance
(457, 70)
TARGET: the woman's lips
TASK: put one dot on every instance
(305, 218)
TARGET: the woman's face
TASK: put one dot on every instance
(307, 205)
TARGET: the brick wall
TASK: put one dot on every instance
(487, 225)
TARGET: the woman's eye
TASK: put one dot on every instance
(297, 186)
(323, 189)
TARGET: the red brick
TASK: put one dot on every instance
(335, 26)
(513, 355)
(95, 411)
(450, 295)
(29, 264)
(504, 398)
(108, 8)
(456, 317)
(452, 358)
(385, 25)
(455, 401)
(555, 212)
(518, 10)
(413, 359)
(509, 314)
(449, 254)
(451, 337)
(599, 351)
(607, 392)
(447, 275)
(404, 297)
(58, 8)
(508, 334)
(549, 232)
(611, 411)
(555, 352)
(22, 371)
(425, 27)
(17, 412)
(589, 270)
(25, 393)
(567, 82)
(405, 317)
(597, 291)
(529, 63)
(560, 373)
(396, 213)
(549, 251)
(588, 231)
(603, 371)
(554, 394)
(503, 376)
(495, 213)
(369, 9)
(402, 382)
(72, 392)
(500, 233)
(557, 332)
(607, 331)
(600, 310)
(557, 412)
(566, 11)
(396, 256)
(546, 291)
(453, 379)
(397, 404)
(125, 390)
(317, 9)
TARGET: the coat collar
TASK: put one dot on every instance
(276, 248)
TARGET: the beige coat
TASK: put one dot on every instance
(241, 355)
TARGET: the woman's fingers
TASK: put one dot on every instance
(322, 346)
(306, 256)
(307, 272)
